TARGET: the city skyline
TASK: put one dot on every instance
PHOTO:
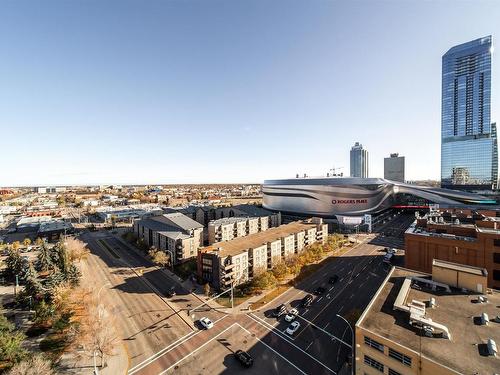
(166, 93)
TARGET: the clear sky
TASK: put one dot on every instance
(224, 91)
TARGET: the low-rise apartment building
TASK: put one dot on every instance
(229, 228)
(460, 236)
(206, 214)
(242, 258)
(174, 233)
(418, 325)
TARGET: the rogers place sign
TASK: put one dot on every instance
(349, 201)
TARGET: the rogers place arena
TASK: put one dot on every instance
(332, 197)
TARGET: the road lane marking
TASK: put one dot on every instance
(278, 333)
(327, 324)
(308, 346)
(198, 348)
(262, 342)
(167, 349)
(319, 299)
(314, 282)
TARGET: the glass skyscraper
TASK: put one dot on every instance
(359, 161)
(469, 158)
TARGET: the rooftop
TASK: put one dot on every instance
(459, 312)
(252, 241)
(460, 267)
(227, 220)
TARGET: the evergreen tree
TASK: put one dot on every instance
(44, 261)
(14, 263)
(32, 285)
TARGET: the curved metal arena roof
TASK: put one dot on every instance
(353, 196)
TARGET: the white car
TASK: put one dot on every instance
(292, 314)
(293, 328)
(206, 323)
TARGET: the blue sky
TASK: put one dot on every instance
(224, 91)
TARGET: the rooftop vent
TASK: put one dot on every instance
(492, 347)
(484, 319)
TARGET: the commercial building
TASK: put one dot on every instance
(174, 233)
(394, 168)
(50, 189)
(333, 197)
(127, 213)
(469, 156)
(359, 161)
(418, 324)
(461, 236)
(229, 228)
(240, 259)
(53, 230)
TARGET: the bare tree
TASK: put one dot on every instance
(36, 365)
(97, 330)
(77, 250)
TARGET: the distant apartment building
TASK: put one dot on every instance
(460, 236)
(205, 214)
(50, 189)
(359, 161)
(242, 258)
(394, 168)
(229, 228)
(174, 233)
(419, 324)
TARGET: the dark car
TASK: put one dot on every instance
(333, 279)
(244, 358)
(171, 292)
(319, 290)
(280, 310)
(307, 300)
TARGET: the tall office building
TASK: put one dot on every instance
(468, 138)
(394, 168)
(359, 161)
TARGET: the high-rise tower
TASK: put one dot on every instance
(359, 161)
(468, 142)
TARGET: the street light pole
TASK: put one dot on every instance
(352, 342)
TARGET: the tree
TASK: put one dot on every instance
(73, 275)
(265, 280)
(27, 242)
(280, 271)
(38, 241)
(11, 350)
(43, 312)
(14, 263)
(206, 289)
(32, 285)
(36, 365)
(160, 258)
(77, 250)
(15, 245)
(44, 261)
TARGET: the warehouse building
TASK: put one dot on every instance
(174, 233)
(460, 236)
(242, 258)
(418, 324)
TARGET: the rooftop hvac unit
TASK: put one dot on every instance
(432, 302)
(484, 319)
(492, 347)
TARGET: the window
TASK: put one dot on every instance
(374, 344)
(393, 372)
(496, 275)
(496, 242)
(400, 357)
(373, 363)
(496, 257)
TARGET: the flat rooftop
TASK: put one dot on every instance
(229, 220)
(465, 352)
(240, 244)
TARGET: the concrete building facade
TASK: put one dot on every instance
(460, 236)
(394, 168)
(223, 263)
(174, 233)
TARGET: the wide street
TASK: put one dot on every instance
(161, 337)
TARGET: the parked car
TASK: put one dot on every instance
(280, 310)
(292, 314)
(206, 323)
(333, 279)
(244, 358)
(307, 300)
(319, 290)
(292, 328)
